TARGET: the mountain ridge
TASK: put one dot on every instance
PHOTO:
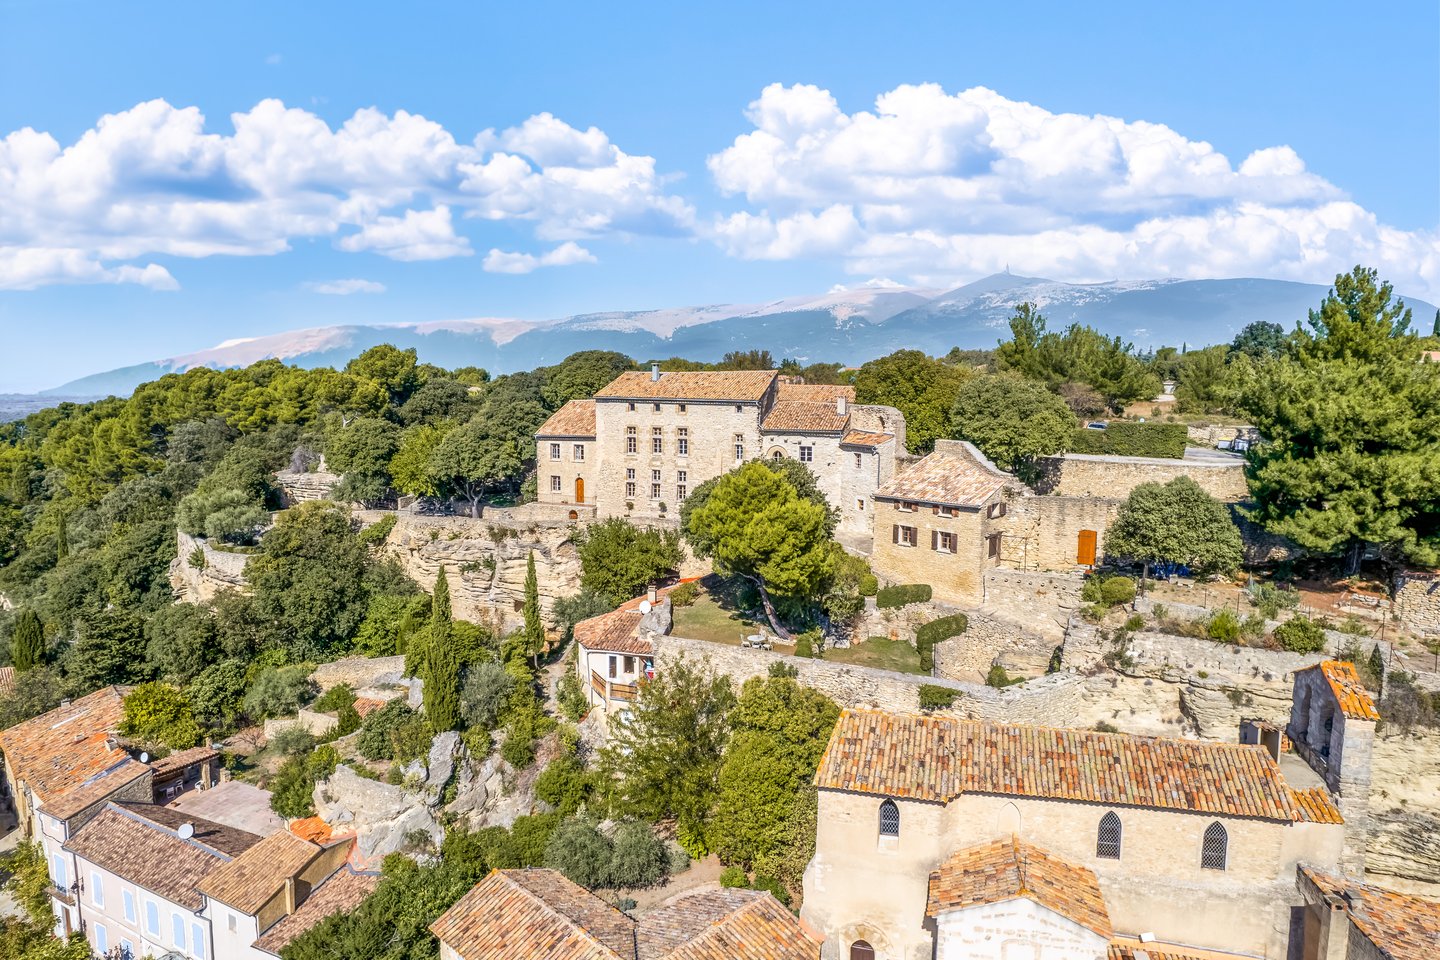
(846, 325)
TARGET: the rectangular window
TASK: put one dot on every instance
(629, 664)
(683, 443)
(654, 491)
(57, 871)
(860, 504)
(682, 408)
(97, 889)
(554, 451)
(152, 918)
(739, 408)
(654, 476)
(127, 949)
(629, 473)
(102, 942)
(905, 506)
(612, 667)
(904, 536)
(579, 452)
(655, 407)
(197, 941)
(631, 406)
(129, 901)
(947, 511)
(630, 440)
(682, 476)
(739, 444)
(681, 491)
(992, 546)
(807, 454)
(996, 510)
(630, 490)
(231, 918)
(657, 443)
(944, 542)
(554, 484)
(859, 460)
(177, 931)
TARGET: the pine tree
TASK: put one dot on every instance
(27, 645)
(534, 630)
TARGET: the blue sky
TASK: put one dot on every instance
(664, 154)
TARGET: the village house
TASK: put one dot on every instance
(932, 830)
(157, 881)
(1349, 920)
(646, 440)
(539, 913)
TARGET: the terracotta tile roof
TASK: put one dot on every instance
(614, 632)
(96, 789)
(1009, 870)
(341, 893)
(864, 438)
(724, 925)
(365, 706)
(575, 419)
(946, 479)
(65, 747)
(7, 680)
(1130, 950)
(804, 416)
(936, 759)
(737, 386)
(536, 914)
(1316, 806)
(539, 915)
(250, 880)
(314, 829)
(180, 759)
(1402, 927)
(815, 392)
(138, 843)
(1355, 701)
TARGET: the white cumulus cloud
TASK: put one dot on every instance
(937, 186)
(568, 253)
(343, 288)
(158, 179)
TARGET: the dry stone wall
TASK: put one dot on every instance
(220, 570)
(301, 486)
(1090, 475)
(1417, 600)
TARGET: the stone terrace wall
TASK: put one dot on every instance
(301, 486)
(1417, 600)
(1086, 475)
(1042, 532)
(222, 570)
(1208, 436)
(358, 672)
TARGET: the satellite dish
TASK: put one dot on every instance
(186, 831)
(144, 758)
(644, 607)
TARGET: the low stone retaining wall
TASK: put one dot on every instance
(219, 570)
(313, 723)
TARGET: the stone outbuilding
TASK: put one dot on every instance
(1348, 920)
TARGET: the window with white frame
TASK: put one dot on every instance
(128, 899)
(654, 491)
(807, 454)
(657, 442)
(177, 931)
(904, 536)
(654, 476)
(739, 443)
(152, 918)
(629, 473)
(57, 871)
(630, 481)
(631, 442)
(554, 451)
(197, 941)
(905, 506)
(682, 476)
(681, 491)
(682, 442)
(996, 510)
(944, 541)
(127, 949)
(102, 941)
(630, 490)
(947, 511)
(579, 452)
(97, 889)
(554, 484)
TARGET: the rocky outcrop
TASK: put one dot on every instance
(385, 818)
(485, 561)
(299, 486)
(199, 571)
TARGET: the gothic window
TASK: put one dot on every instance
(1107, 839)
(1214, 851)
(889, 819)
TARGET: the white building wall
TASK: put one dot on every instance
(1018, 929)
(235, 933)
(108, 912)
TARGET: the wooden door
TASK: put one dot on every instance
(579, 489)
(1085, 548)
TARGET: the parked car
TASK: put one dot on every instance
(1095, 425)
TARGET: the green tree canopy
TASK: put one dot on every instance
(361, 450)
(1261, 340)
(1014, 421)
(1175, 522)
(160, 715)
(920, 387)
(618, 559)
(27, 643)
(393, 369)
(1351, 426)
(1078, 355)
(581, 375)
(476, 458)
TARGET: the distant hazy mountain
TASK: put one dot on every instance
(849, 326)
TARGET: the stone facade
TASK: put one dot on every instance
(300, 486)
(1045, 532)
(218, 569)
(1092, 475)
(1417, 600)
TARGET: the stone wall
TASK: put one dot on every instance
(1042, 532)
(1090, 475)
(221, 570)
(359, 672)
(1211, 434)
(485, 560)
(1404, 843)
(1417, 600)
(300, 486)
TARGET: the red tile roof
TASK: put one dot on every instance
(537, 914)
(575, 419)
(1400, 926)
(945, 478)
(1316, 806)
(614, 632)
(341, 893)
(738, 386)
(65, 747)
(97, 789)
(804, 416)
(1355, 701)
(249, 881)
(1010, 870)
(180, 759)
(815, 392)
(936, 759)
(864, 438)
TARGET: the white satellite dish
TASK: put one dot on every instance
(186, 831)
(144, 758)
(644, 607)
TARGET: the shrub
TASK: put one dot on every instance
(1124, 439)
(934, 632)
(685, 594)
(1223, 626)
(483, 696)
(374, 741)
(639, 858)
(902, 594)
(1270, 599)
(781, 670)
(934, 697)
(333, 699)
(734, 876)
(807, 644)
(691, 838)
(869, 585)
(678, 859)
(292, 741)
(570, 694)
(1134, 622)
(1105, 726)
(1160, 611)
(580, 851)
(293, 787)
(999, 678)
(1300, 635)
(375, 534)
(564, 785)
(1117, 590)
(278, 691)
(411, 738)
(774, 887)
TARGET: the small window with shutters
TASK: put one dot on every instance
(942, 542)
(996, 510)
(1107, 838)
(903, 536)
(992, 546)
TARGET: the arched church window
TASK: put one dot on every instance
(889, 819)
(1214, 851)
(860, 950)
(1107, 838)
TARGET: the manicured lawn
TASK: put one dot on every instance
(707, 620)
(880, 652)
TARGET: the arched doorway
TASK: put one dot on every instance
(579, 489)
(860, 950)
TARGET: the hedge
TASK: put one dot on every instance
(1124, 439)
(902, 594)
(934, 632)
(933, 697)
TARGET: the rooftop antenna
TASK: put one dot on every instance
(186, 831)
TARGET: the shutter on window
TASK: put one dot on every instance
(935, 511)
(895, 533)
(934, 539)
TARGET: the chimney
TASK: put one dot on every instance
(652, 594)
(840, 404)
(654, 372)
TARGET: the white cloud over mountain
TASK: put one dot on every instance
(343, 288)
(568, 253)
(935, 186)
(152, 180)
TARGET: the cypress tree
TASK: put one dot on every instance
(440, 615)
(439, 665)
(534, 630)
(27, 645)
(62, 540)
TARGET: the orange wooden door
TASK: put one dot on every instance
(1085, 548)
(580, 491)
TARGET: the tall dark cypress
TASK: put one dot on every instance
(27, 645)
